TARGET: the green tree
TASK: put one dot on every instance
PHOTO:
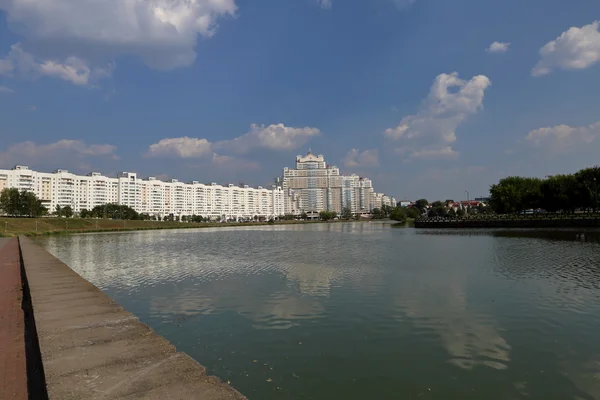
(10, 201)
(386, 211)
(304, 215)
(31, 206)
(560, 193)
(398, 214)
(588, 196)
(515, 194)
(327, 215)
(115, 211)
(421, 204)
(67, 211)
(346, 213)
(15, 203)
(377, 213)
(413, 212)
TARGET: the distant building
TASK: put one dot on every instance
(315, 186)
(152, 196)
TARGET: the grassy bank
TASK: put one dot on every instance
(49, 226)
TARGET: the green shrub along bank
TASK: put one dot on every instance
(559, 193)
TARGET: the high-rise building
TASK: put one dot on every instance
(152, 196)
(311, 187)
(315, 186)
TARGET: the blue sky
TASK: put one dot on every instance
(410, 93)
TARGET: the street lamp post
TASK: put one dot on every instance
(595, 195)
(5, 226)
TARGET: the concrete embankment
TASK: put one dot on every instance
(91, 348)
(13, 366)
(500, 222)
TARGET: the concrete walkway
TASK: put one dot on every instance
(92, 348)
(13, 366)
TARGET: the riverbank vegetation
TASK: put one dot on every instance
(558, 193)
(54, 225)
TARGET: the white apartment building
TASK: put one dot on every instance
(379, 200)
(152, 196)
(314, 186)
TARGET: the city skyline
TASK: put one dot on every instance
(232, 91)
(156, 197)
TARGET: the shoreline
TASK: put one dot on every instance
(12, 227)
(560, 221)
(78, 343)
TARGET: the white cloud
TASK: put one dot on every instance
(326, 4)
(162, 33)
(400, 4)
(431, 131)
(498, 47)
(32, 108)
(182, 147)
(64, 150)
(563, 137)
(403, 4)
(577, 48)
(445, 152)
(72, 69)
(273, 137)
(230, 164)
(368, 158)
(4, 89)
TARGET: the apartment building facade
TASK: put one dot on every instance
(151, 196)
(314, 186)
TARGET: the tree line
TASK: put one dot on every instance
(21, 204)
(558, 193)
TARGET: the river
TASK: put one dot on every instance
(364, 310)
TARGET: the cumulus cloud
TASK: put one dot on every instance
(273, 137)
(326, 4)
(162, 33)
(431, 131)
(498, 47)
(5, 90)
(182, 147)
(563, 137)
(72, 69)
(577, 48)
(368, 158)
(230, 164)
(400, 4)
(58, 152)
(403, 4)
(444, 152)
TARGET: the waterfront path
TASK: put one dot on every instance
(91, 348)
(13, 374)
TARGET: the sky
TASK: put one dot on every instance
(428, 98)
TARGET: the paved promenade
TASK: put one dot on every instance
(91, 348)
(13, 372)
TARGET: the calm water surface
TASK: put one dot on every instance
(364, 310)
